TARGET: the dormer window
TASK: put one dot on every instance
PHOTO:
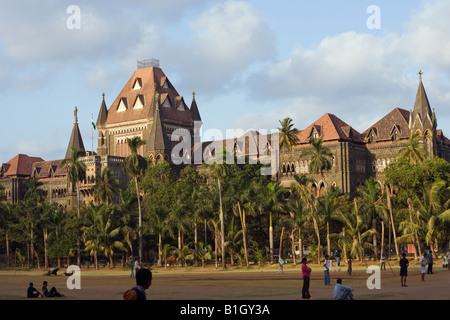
(140, 102)
(123, 105)
(165, 101)
(137, 84)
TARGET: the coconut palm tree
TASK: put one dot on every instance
(135, 166)
(106, 186)
(320, 157)
(371, 197)
(76, 172)
(166, 253)
(288, 135)
(220, 170)
(433, 208)
(327, 207)
(413, 149)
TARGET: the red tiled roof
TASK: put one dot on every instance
(329, 127)
(383, 127)
(20, 165)
(45, 169)
(150, 78)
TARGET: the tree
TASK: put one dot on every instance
(327, 207)
(413, 150)
(288, 135)
(220, 171)
(433, 207)
(320, 157)
(106, 186)
(135, 166)
(371, 197)
(76, 172)
(104, 234)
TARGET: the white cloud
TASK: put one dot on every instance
(360, 77)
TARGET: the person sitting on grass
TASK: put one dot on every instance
(52, 293)
(143, 282)
(32, 292)
(342, 292)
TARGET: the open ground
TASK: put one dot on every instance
(231, 284)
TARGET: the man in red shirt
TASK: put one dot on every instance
(306, 274)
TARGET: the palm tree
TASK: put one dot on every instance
(320, 157)
(104, 234)
(434, 209)
(135, 165)
(288, 135)
(391, 216)
(327, 207)
(220, 171)
(106, 186)
(413, 149)
(353, 229)
(76, 172)
(371, 196)
(272, 197)
(166, 252)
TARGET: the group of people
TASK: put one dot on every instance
(341, 292)
(32, 292)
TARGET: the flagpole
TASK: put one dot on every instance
(92, 133)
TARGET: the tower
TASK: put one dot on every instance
(423, 120)
(75, 139)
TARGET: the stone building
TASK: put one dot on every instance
(359, 156)
(150, 107)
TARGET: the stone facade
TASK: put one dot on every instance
(151, 108)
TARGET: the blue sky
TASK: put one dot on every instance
(251, 63)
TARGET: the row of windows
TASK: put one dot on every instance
(300, 167)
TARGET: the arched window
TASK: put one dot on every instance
(297, 167)
(301, 166)
(379, 165)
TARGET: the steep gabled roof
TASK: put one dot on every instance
(75, 138)
(421, 105)
(329, 127)
(195, 114)
(158, 139)
(103, 113)
(20, 165)
(151, 79)
(45, 169)
(383, 128)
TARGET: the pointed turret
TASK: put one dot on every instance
(75, 139)
(103, 114)
(158, 142)
(195, 114)
(422, 110)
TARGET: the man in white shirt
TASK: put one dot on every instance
(342, 292)
(423, 263)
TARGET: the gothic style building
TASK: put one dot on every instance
(150, 107)
(359, 156)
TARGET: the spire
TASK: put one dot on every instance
(195, 114)
(158, 141)
(422, 108)
(75, 139)
(103, 113)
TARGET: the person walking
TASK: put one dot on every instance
(132, 269)
(326, 271)
(136, 265)
(306, 274)
(280, 266)
(349, 264)
(404, 264)
(430, 263)
(423, 263)
(383, 262)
